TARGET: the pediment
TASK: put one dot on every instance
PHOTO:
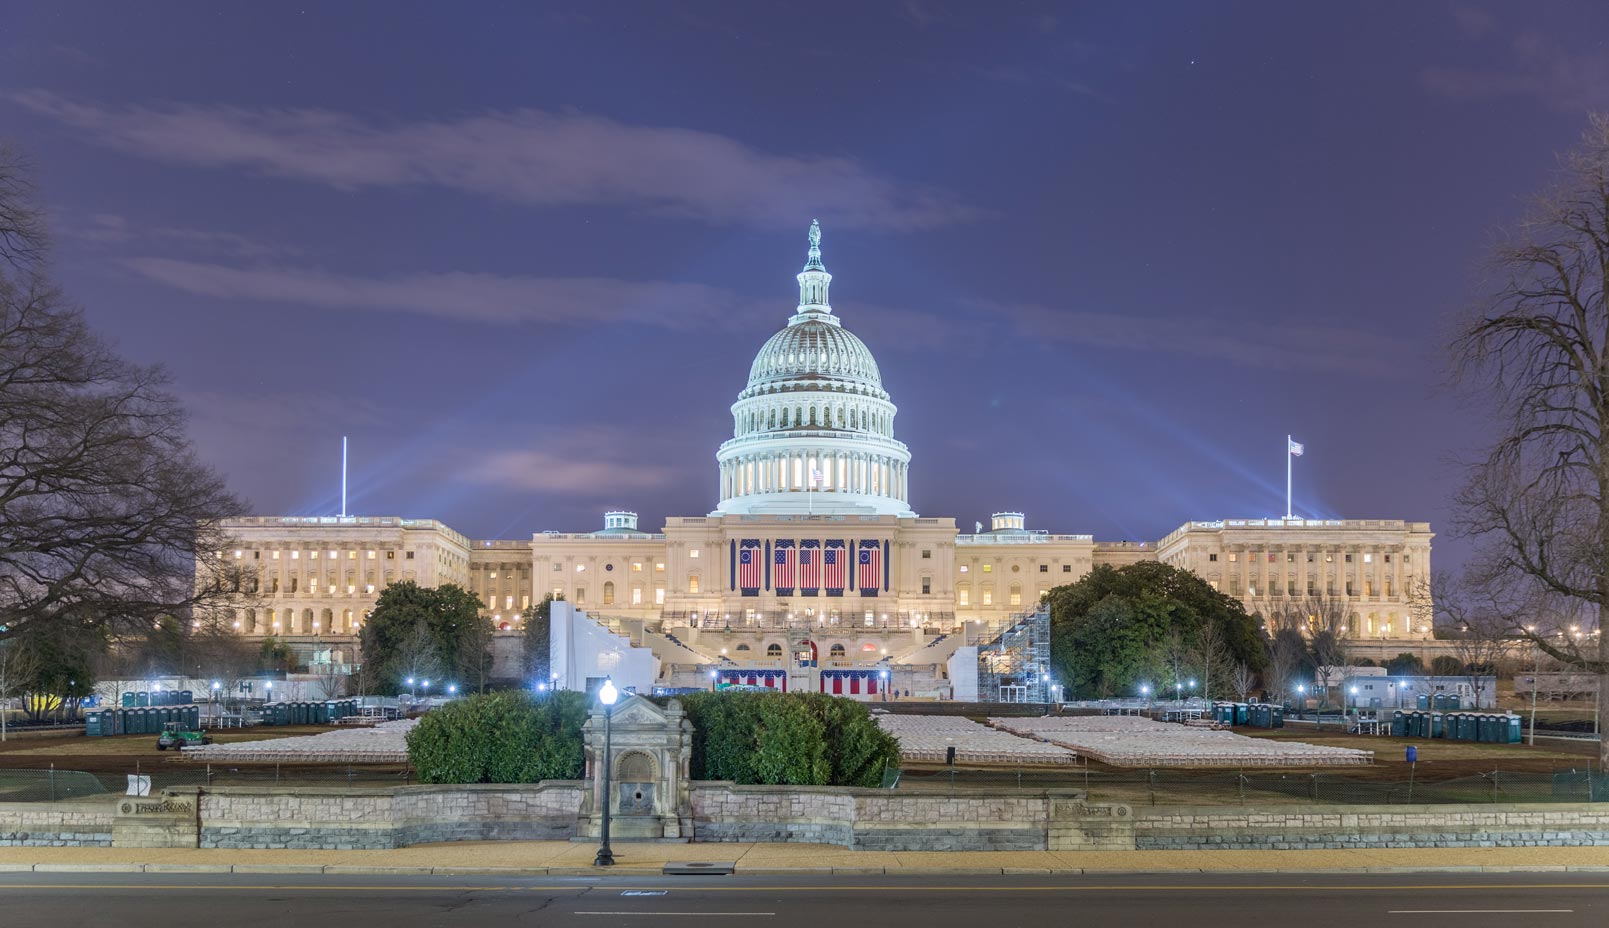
(636, 710)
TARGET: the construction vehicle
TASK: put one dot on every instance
(176, 736)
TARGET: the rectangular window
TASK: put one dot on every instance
(1349, 588)
(988, 568)
(1388, 589)
(525, 601)
(273, 555)
(369, 588)
(692, 584)
(1349, 558)
(371, 555)
(636, 566)
(1044, 568)
(964, 568)
(988, 597)
(1212, 557)
(1368, 588)
(965, 596)
(1016, 598)
(1066, 568)
(1234, 556)
(1368, 559)
(1213, 584)
(927, 585)
(636, 596)
(491, 602)
(659, 596)
(659, 567)
(1312, 587)
(580, 594)
(1290, 588)
(1270, 557)
(927, 554)
(1388, 558)
(508, 602)
(407, 555)
(692, 552)
(493, 575)
(1290, 557)
(1234, 587)
(1251, 588)
(351, 555)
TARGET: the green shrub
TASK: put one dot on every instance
(505, 737)
(800, 739)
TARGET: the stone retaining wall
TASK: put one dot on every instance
(873, 819)
(348, 819)
(85, 823)
(1511, 825)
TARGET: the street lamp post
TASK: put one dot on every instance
(606, 695)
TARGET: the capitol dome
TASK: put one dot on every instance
(813, 431)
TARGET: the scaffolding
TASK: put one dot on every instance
(1015, 665)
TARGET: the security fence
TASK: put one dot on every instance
(53, 785)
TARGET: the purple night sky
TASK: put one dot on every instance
(1107, 255)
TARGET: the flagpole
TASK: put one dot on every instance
(1288, 477)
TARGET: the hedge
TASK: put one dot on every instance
(504, 737)
(799, 739)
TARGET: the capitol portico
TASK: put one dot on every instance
(812, 552)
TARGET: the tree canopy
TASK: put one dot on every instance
(1111, 630)
(107, 520)
(431, 633)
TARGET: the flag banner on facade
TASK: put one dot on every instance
(816, 477)
(1296, 448)
(834, 570)
(869, 573)
(809, 568)
(774, 679)
(749, 569)
(850, 682)
(785, 561)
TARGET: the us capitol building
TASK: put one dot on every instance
(812, 556)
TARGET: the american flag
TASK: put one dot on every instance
(748, 569)
(809, 567)
(785, 559)
(832, 567)
(869, 576)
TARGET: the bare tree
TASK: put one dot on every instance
(1288, 654)
(16, 669)
(106, 518)
(1481, 633)
(1538, 350)
(1244, 680)
(1210, 652)
(416, 655)
(1173, 653)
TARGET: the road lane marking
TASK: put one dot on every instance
(657, 914)
(1472, 911)
(809, 888)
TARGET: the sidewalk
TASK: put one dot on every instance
(562, 858)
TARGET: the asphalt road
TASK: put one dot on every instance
(34, 900)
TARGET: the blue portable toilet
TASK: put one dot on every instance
(1399, 724)
(1422, 701)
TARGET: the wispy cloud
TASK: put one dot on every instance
(1555, 76)
(586, 462)
(525, 156)
(490, 298)
(111, 228)
(1283, 347)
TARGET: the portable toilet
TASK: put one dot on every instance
(1399, 723)
(1422, 701)
(192, 717)
(1276, 716)
(92, 724)
(1511, 729)
(186, 697)
(1436, 730)
(1454, 703)
(128, 700)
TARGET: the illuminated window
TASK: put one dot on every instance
(1233, 557)
(659, 596)
(693, 553)
(297, 554)
(692, 584)
(636, 566)
(391, 555)
(609, 593)
(988, 597)
(525, 601)
(369, 588)
(239, 555)
(580, 568)
(494, 575)
(351, 555)
(273, 555)
(636, 596)
(508, 602)
(964, 596)
(988, 568)
(964, 568)
(1368, 559)
(659, 567)
(371, 555)
(1016, 596)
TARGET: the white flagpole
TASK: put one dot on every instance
(343, 476)
(1288, 477)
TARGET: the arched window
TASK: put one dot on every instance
(836, 652)
(773, 650)
(742, 647)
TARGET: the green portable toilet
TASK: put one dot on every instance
(1438, 701)
(282, 713)
(299, 713)
(1511, 729)
(1483, 730)
(1436, 730)
(1454, 703)
(128, 700)
(1276, 716)
(92, 724)
(1399, 724)
(193, 717)
(186, 697)
(1422, 701)
(1242, 713)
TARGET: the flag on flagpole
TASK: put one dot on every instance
(1295, 448)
